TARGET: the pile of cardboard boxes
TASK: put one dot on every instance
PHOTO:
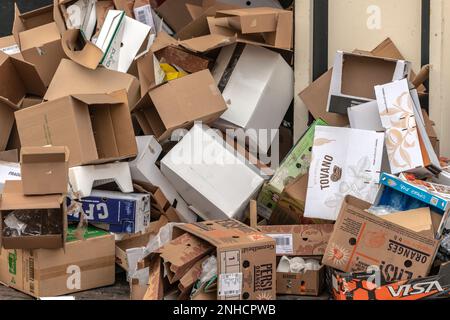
(135, 136)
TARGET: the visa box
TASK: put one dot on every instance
(123, 213)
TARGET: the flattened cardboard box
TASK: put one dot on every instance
(44, 170)
(299, 240)
(361, 239)
(86, 81)
(178, 103)
(80, 122)
(49, 273)
(13, 199)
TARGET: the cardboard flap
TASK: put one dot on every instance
(102, 98)
(44, 154)
(18, 25)
(162, 41)
(14, 199)
(89, 56)
(418, 220)
(252, 20)
(30, 77)
(207, 43)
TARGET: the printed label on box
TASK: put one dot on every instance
(230, 284)
(284, 243)
(14, 49)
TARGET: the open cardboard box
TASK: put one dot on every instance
(178, 104)
(355, 76)
(39, 39)
(96, 128)
(44, 170)
(47, 273)
(255, 82)
(144, 169)
(13, 200)
(18, 78)
(214, 179)
(242, 253)
(86, 81)
(402, 245)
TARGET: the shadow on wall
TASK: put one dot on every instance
(7, 12)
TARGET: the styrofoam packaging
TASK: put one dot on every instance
(144, 169)
(119, 212)
(82, 179)
(258, 86)
(344, 162)
(213, 179)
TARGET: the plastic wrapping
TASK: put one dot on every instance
(32, 222)
(208, 277)
(382, 210)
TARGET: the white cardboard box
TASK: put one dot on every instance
(9, 171)
(215, 181)
(144, 169)
(408, 145)
(258, 86)
(344, 161)
(355, 75)
(82, 179)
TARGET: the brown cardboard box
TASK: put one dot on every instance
(184, 59)
(262, 26)
(315, 96)
(299, 240)
(176, 13)
(309, 283)
(178, 103)
(361, 239)
(245, 257)
(40, 40)
(431, 132)
(18, 79)
(13, 199)
(44, 170)
(96, 128)
(50, 273)
(86, 81)
(9, 46)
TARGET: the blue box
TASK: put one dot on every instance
(114, 211)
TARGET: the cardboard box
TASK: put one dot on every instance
(344, 161)
(316, 95)
(260, 26)
(408, 145)
(50, 273)
(365, 116)
(9, 46)
(44, 170)
(78, 14)
(13, 200)
(82, 179)
(86, 81)
(40, 40)
(214, 179)
(8, 171)
(308, 283)
(88, 124)
(242, 253)
(178, 103)
(431, 132)
(351, 84)
(371, 286)
(253, 80)
(115, 211)
(144, 169)
(361, 239)
(184, 59)
(295, 164)
(299, 240)
(176, 13)
(19, 78)
(403, 194)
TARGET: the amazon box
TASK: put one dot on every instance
(40, 40)
(44, 170)
(255, 82)
(50, 273)
(215, 180)
(44, 218)
(355, 76)
(18, 78)
(178, 104)
(242, 253)
(86, 81)
(402, 245)
(96, 128)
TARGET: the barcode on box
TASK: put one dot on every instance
(284, 243)
(144, 15)
(230, 284)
